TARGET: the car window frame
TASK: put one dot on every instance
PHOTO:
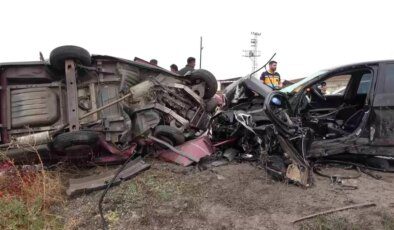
(381, 98)
(369, 86)
(346, 87)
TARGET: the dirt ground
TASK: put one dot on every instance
(234, 196)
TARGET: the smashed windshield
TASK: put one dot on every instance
(294, 88)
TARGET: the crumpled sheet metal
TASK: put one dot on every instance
(298, 175)
(244, 119)
(196, 149)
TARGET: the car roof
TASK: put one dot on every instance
(359, 64)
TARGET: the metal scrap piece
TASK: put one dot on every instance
(97, 182)
(230, 154)
(365, 205)
(191, 151)
(244, 119)
(296, 174)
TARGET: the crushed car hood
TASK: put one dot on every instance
(245, 88)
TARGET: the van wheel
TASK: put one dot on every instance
(60, 54)
(65, 140)
(169, 134)
(211, 85)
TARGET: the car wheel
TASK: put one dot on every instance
(62, 141)
(169, 134)
(60, 54)
(211, 85)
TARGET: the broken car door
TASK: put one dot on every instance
(382, 123)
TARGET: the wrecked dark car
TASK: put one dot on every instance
(307, 126)
(97, 108)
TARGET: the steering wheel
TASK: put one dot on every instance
(318, 93)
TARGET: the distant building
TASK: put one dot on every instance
(226, 82)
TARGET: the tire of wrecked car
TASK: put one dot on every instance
(65, 140)
(211, 85)
(168, 133)
(60, 54)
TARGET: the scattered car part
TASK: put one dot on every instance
(189, 152)
(297, 174)
(230, 154)
(97, 182)
(365, 205)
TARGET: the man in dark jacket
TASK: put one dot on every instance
(271, 77)
(191, 63)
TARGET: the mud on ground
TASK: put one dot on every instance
(234, 196)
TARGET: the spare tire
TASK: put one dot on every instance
(62, 141)
(168, 133)
(211, 85)
(60, 54)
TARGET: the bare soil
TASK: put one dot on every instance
(233, 196)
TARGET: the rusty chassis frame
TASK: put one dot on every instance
(72, 95)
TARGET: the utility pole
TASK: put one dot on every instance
(253, 53)
(201, 47)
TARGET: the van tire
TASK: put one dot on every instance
(166, 132)
(211, 85)
(60, 54)
(62, 141)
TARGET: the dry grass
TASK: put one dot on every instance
(156, 187)
(27, 195)
(384, 221)
(325, 223)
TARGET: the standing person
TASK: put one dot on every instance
(191, 63)
(153, 62)
(174, 68)
(271, 77)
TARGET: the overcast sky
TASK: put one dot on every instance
(306, 35)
